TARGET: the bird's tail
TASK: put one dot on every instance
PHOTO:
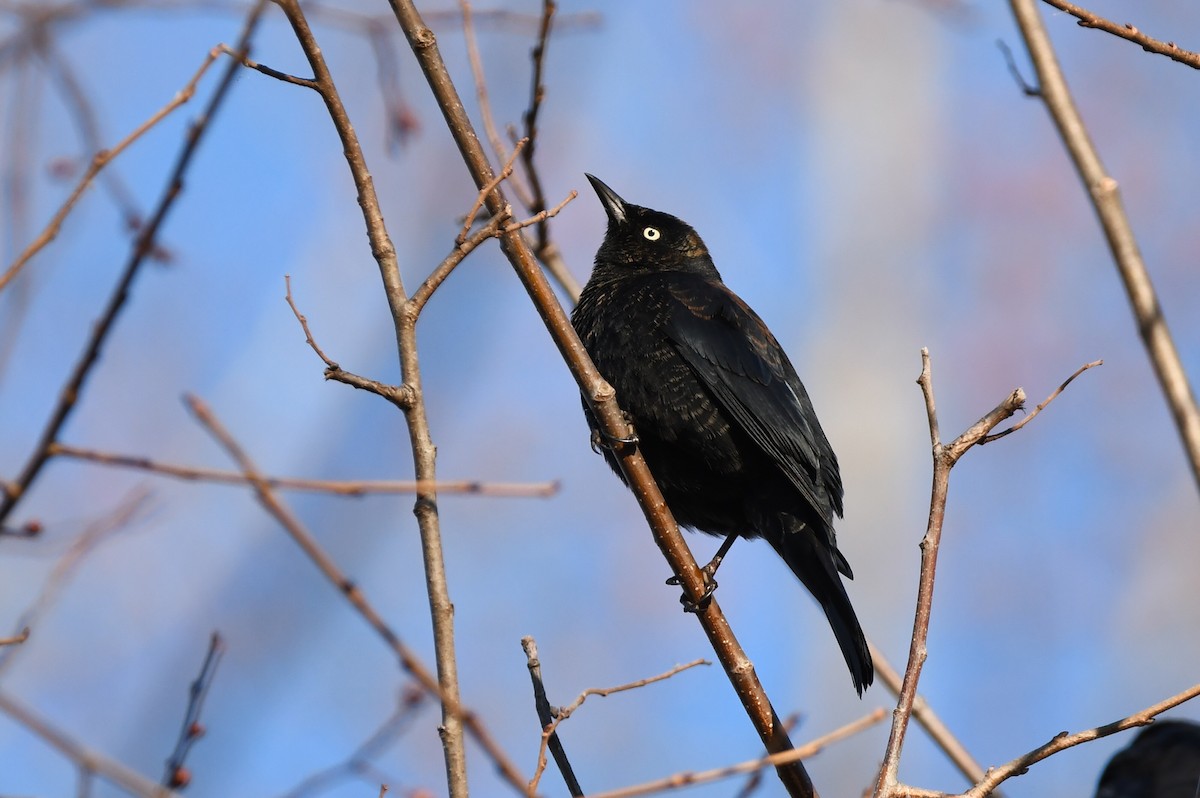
(813, 561)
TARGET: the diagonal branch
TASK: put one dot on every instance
(1063, 741)
(1106, 199)
(142, 248)
(1089, 20)
(305, 540)
(603, 403)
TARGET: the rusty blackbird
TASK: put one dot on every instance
(720, 415)
(1163, 761)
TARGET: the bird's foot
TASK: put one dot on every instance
(602, 440)
(710, 587)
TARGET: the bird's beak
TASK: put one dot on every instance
(614, 206)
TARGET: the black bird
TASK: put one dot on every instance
(1163, 761)
(720, 415)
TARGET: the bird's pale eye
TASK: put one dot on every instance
(652, 234)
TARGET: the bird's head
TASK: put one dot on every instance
(643, 240)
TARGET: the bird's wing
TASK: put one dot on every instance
(738, 359)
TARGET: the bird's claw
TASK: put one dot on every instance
(710, 587)
(602, 440)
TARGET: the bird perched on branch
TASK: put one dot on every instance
(720, 415)
(1163, 761)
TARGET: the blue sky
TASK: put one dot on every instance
(866, 174)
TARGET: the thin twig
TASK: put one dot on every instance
(485, 104)
(410, 701)
(492, 229)
(308, 544)
(505, 173)
(353, 488)
(755, 780)
(88, 761)
(601, 399)
(411, 402)
(545, 715)
(1063, 741)
(1040, 407)
(99, 161)
(929, 720)
(143, 245)
(300, 317)
(537, 93)
(1089, 20)
(17, 639)
(689, 778)
(177, 775)
(944, 458)
(541, 216)
(94, 534)
(1106, 199)
(565, 712)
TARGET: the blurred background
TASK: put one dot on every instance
(867, 174)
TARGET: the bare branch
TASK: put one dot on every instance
(505, 173)
(69, 395)
(537, 93)
(17, 639)
(1054, 395)
(938, 732)
(88, 761)
(308, 544)
(177, 775)
(337, 487)
(944, 458)
(601, 400)
(97, 532)
(1106, 199)
(409, 398)
(1063, 741)
(541, 216)
(566, 712)
(358, 763)
(99, 161)
(485, 104)
(1089, 20)
(546, 718)
(689, 778)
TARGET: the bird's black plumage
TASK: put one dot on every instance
(1163, 761)
(722, 419)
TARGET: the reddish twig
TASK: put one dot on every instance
(1128, 32)
(177, 775)
(100, 160)
(143, 245)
